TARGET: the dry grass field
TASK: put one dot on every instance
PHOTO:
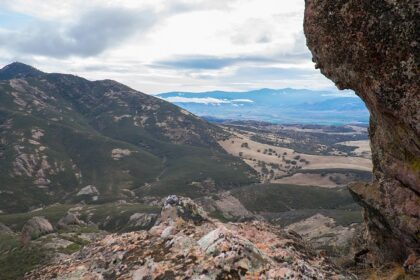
(363, 147)
(277, 164)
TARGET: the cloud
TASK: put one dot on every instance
(196, 62)
(216, 62)
(182, 6)
(160, 46)
(205, 100)
(254, 30)
(344, 93)
(268, 72)
(208, 62)
(92, 33)
(242, 100)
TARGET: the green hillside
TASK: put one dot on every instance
(60, 133)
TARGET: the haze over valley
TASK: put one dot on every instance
(275, 105)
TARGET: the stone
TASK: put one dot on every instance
(69, 219)
(5, 229)
(34, 228)
(372, 48)
(211, 238)
(183, 208)
(139, 221)
(89, 190)
(167, 232)
(324, 234)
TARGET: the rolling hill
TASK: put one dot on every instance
(64, 138)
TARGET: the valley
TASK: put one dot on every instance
(83, 159)
(209, 140)
(301, 155)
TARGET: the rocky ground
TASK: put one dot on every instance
(186, 243)
(213, 237)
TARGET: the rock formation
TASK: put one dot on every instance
(139, 221)
(372, 47)
(5, 229)
(89, 191)
(186, 244)
(34, 228)
(68, 220)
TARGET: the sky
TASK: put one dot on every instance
(158, 46)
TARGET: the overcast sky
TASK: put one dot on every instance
(164, 45)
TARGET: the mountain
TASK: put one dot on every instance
(18, 70)
(64, 138)
(274, 105)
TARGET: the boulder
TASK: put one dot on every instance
(89, 190)
(34, 228)
(5, 229)
(140, 221)
(325, 235)
(69, 219)
(176, 207)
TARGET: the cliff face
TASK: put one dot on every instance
(372, 48)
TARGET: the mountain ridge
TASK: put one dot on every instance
(60, 133)
(274, 105)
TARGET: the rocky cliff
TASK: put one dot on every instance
(372, 47)
(186, 244)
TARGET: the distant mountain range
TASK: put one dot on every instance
(274, 105)
(63, 137)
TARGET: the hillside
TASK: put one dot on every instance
(64, 138)
(274, 105)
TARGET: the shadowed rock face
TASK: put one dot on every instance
(372, 48)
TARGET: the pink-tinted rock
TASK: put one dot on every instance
(196, 248)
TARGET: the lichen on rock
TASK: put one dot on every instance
(186, 244)
(372, 47)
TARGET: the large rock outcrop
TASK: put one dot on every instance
(186, 244)
(372, 47)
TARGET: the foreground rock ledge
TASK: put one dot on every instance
(186, 244)
(372, 48)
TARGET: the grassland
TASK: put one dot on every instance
(285, 204)
(276, 162)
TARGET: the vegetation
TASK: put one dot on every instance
(108, 216)
(278, 198)
(52, 214)
(15, 260)
(83, 126)
(114, 218)
(356, 175)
